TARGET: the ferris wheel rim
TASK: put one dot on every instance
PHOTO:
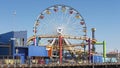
(61, 5)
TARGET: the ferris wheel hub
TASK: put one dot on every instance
(59, 30)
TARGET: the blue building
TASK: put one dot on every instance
(12, 40)
(14, 44)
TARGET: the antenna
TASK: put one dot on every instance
(14, 12)
(14, 15)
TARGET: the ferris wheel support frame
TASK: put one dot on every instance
(60, 49)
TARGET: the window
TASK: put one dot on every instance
(19, 42)
(22, 41)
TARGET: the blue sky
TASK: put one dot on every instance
(104, 15)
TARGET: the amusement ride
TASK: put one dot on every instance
(61, 29)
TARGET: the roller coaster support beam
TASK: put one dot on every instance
(89, 50)
(104, 50)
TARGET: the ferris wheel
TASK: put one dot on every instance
(60, 19)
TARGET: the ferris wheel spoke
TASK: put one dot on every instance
(69, 18)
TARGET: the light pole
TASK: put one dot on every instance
(93, 39)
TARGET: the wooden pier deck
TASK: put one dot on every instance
(103, 65)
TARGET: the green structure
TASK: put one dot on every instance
(104, 48)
